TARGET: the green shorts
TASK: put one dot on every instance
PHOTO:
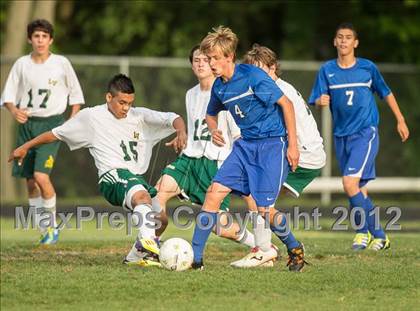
(298, 180)
(41, 158)
(194, 177)
(116, 184)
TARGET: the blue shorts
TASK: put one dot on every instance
(356, 154)
(257, 167)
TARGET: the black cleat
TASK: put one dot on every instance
(296, 260)
(198, 265)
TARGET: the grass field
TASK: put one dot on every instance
(84, 271)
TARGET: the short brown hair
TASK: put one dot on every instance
(40, 25)
(346, 25)
(223, 38)
(261, 55)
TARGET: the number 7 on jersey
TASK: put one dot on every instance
(350, 100)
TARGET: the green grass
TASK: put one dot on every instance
(84, 271)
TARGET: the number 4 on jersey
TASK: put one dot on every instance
(239, 112)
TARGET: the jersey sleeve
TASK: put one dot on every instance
(77, 132)
(378, 83)
(215, 105)
(265, 88)
(11, 87)
(159, 124)
(320, 87)
(75, 91)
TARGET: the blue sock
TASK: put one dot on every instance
(375, 229)
(285, 234)
(358, 200)
(202, 230)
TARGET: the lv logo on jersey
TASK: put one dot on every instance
(52, 82)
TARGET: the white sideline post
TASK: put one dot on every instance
(125, 66)
(327, 136)
(379, 185)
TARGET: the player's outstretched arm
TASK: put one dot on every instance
(20, 115)
(74, 109)
(290, 120)
(323, 100)
(20, 152)
(180, 141)
(402, 127)
(216, 134)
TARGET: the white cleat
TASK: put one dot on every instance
(257, 258)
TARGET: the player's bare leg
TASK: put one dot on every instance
(35, 201)
(167, 188)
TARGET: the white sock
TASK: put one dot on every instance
(50, 206)
(262, 232)
(140, 211)
(247, 238)
(156, 205)
(36, 204)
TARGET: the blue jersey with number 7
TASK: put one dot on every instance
(251, 97)
(351, 92)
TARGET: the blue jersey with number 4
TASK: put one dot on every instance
(251, 97)
(351, 92)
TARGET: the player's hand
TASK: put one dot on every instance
(293, 157)
(179, 142)
(217, 138)
(324, 100)
(18, 154)
(21, 115)
(403, 130)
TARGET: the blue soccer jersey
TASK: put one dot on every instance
(351, 92)
(251, 97)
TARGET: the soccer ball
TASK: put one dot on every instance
(176, 254)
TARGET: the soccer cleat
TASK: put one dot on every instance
(256, 258)
(267, 264)
(143, 262)
(296, 260)
(380, 244)
(361, 241)
(148, 246)
(198, 265)
(50, 237)
(144, 253)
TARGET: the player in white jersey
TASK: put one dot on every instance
(121, 139)
(37, 91)
(310, 144)
(190, 175)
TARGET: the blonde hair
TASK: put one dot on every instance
(223, 38)
(261, 55)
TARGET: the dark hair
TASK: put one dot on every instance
(195, 48)
(347, 25)
(40, 25)
(120, 83)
